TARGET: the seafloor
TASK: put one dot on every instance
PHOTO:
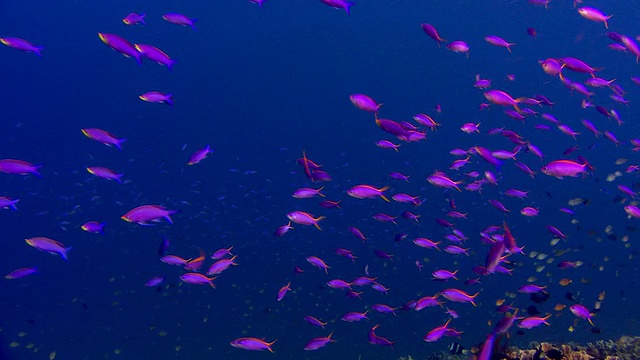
(625, 348)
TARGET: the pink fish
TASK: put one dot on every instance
(340, 4)
(134, 19)
(21, 44)
(367, 192)
(562, 168)
(154, 54)
(303, 218)
(174, 260)
(319, 263)
(198, 279)
(283, 291)
(431, 31)
(49, 245)
(19, 167)
(500, 97)
(318, 342)
(437, 333)
(441, 180)
(105, 173)
(498, 41)
(594, 14)
(93, 227)
(582, 312)
(120, 45)
(199, 155)
(458, 296)
(146, 213)
(365, 103)
(304, 193)
(459, 47)
(249, 343)
(157, 97)
(281, 230)
(221, 265)
(533, 321)
(180, 19)
(20, 273)
(103, 137)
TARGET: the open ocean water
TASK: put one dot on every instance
(262, 85)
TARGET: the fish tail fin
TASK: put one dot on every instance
(170, 64)
(348, 6)
(38, 50)
(385, 198)
(590, 321)
(64, 252)
(168, 215)
(13, 205)
(119, 142)
(193, 24)
(35, 170)
(169, 99)
(119, 178)
(142, 18)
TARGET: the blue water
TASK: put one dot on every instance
(260, 86)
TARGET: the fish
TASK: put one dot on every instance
(250, 343)
(105, 173)
(459, 296)
(134, 19)
(455, 348)
(154, 54)
(319, 342)
(49, 245)
(104, 137)
(364, 103)
(199, 155)
(283, 291)
(93, 227)
(19, 167)
(20, 273)
(340, 4)
(121, 45)
(562, 168)
(319, 263)
(304, 218)
(180, 19)
(157, 97)
(431, 31)
(145, 213)
(498, 41)
(459, 46)
(594, 14)
(367, 192)
(198, 279)
(21, 44)
(6, 203)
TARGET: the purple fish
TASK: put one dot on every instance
(180, 19)
(249, 343)
(319, 263)
(105, 173)
(144, 214)
(459, 296)
(431, 31)
(283, 291)
(533, 321)
(157, 97)
(93, 227)
(315, 322)
(154, 54)
(365, 103)
(154, 281)
(19, 167)
(49, 245)
(318, 342)
(103, 137)
(281, 230)
(498, 41)
(340, 4)
(582, 312)
(134, 19)
(21, 44)
(199, 155)
(20, 273)
(354, 316)
(120, 45)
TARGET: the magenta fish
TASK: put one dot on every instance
(134, 19)
(221, 265)
(157, 97)
(154, 54)
(431, 31)
(281, 230)
(498, 41)
(93, 227)
(144, 214)
(197, 279)
(49, 245)
(367, 192)
(319, 263)
(315, 322)
(533, 321)
(103, 137)
(22, 45)
(459, 296)
(154, 281)
(303, 218)
(249, 343)
(594, 14)
(582, 312)
(340, 4)
(105, 173)
(120, 45)
(20, 273)
(199, 155)
(562, 168)
(318, 342)
(19, 167)
(437, 333)
(365, 103)
(180, 19)
(304, 193)
(283, 291)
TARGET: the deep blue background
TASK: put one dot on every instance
(260, 86)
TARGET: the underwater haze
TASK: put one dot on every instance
(272, 87)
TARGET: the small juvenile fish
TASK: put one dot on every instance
(199, 155)
(134, 19)
(22, 45)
